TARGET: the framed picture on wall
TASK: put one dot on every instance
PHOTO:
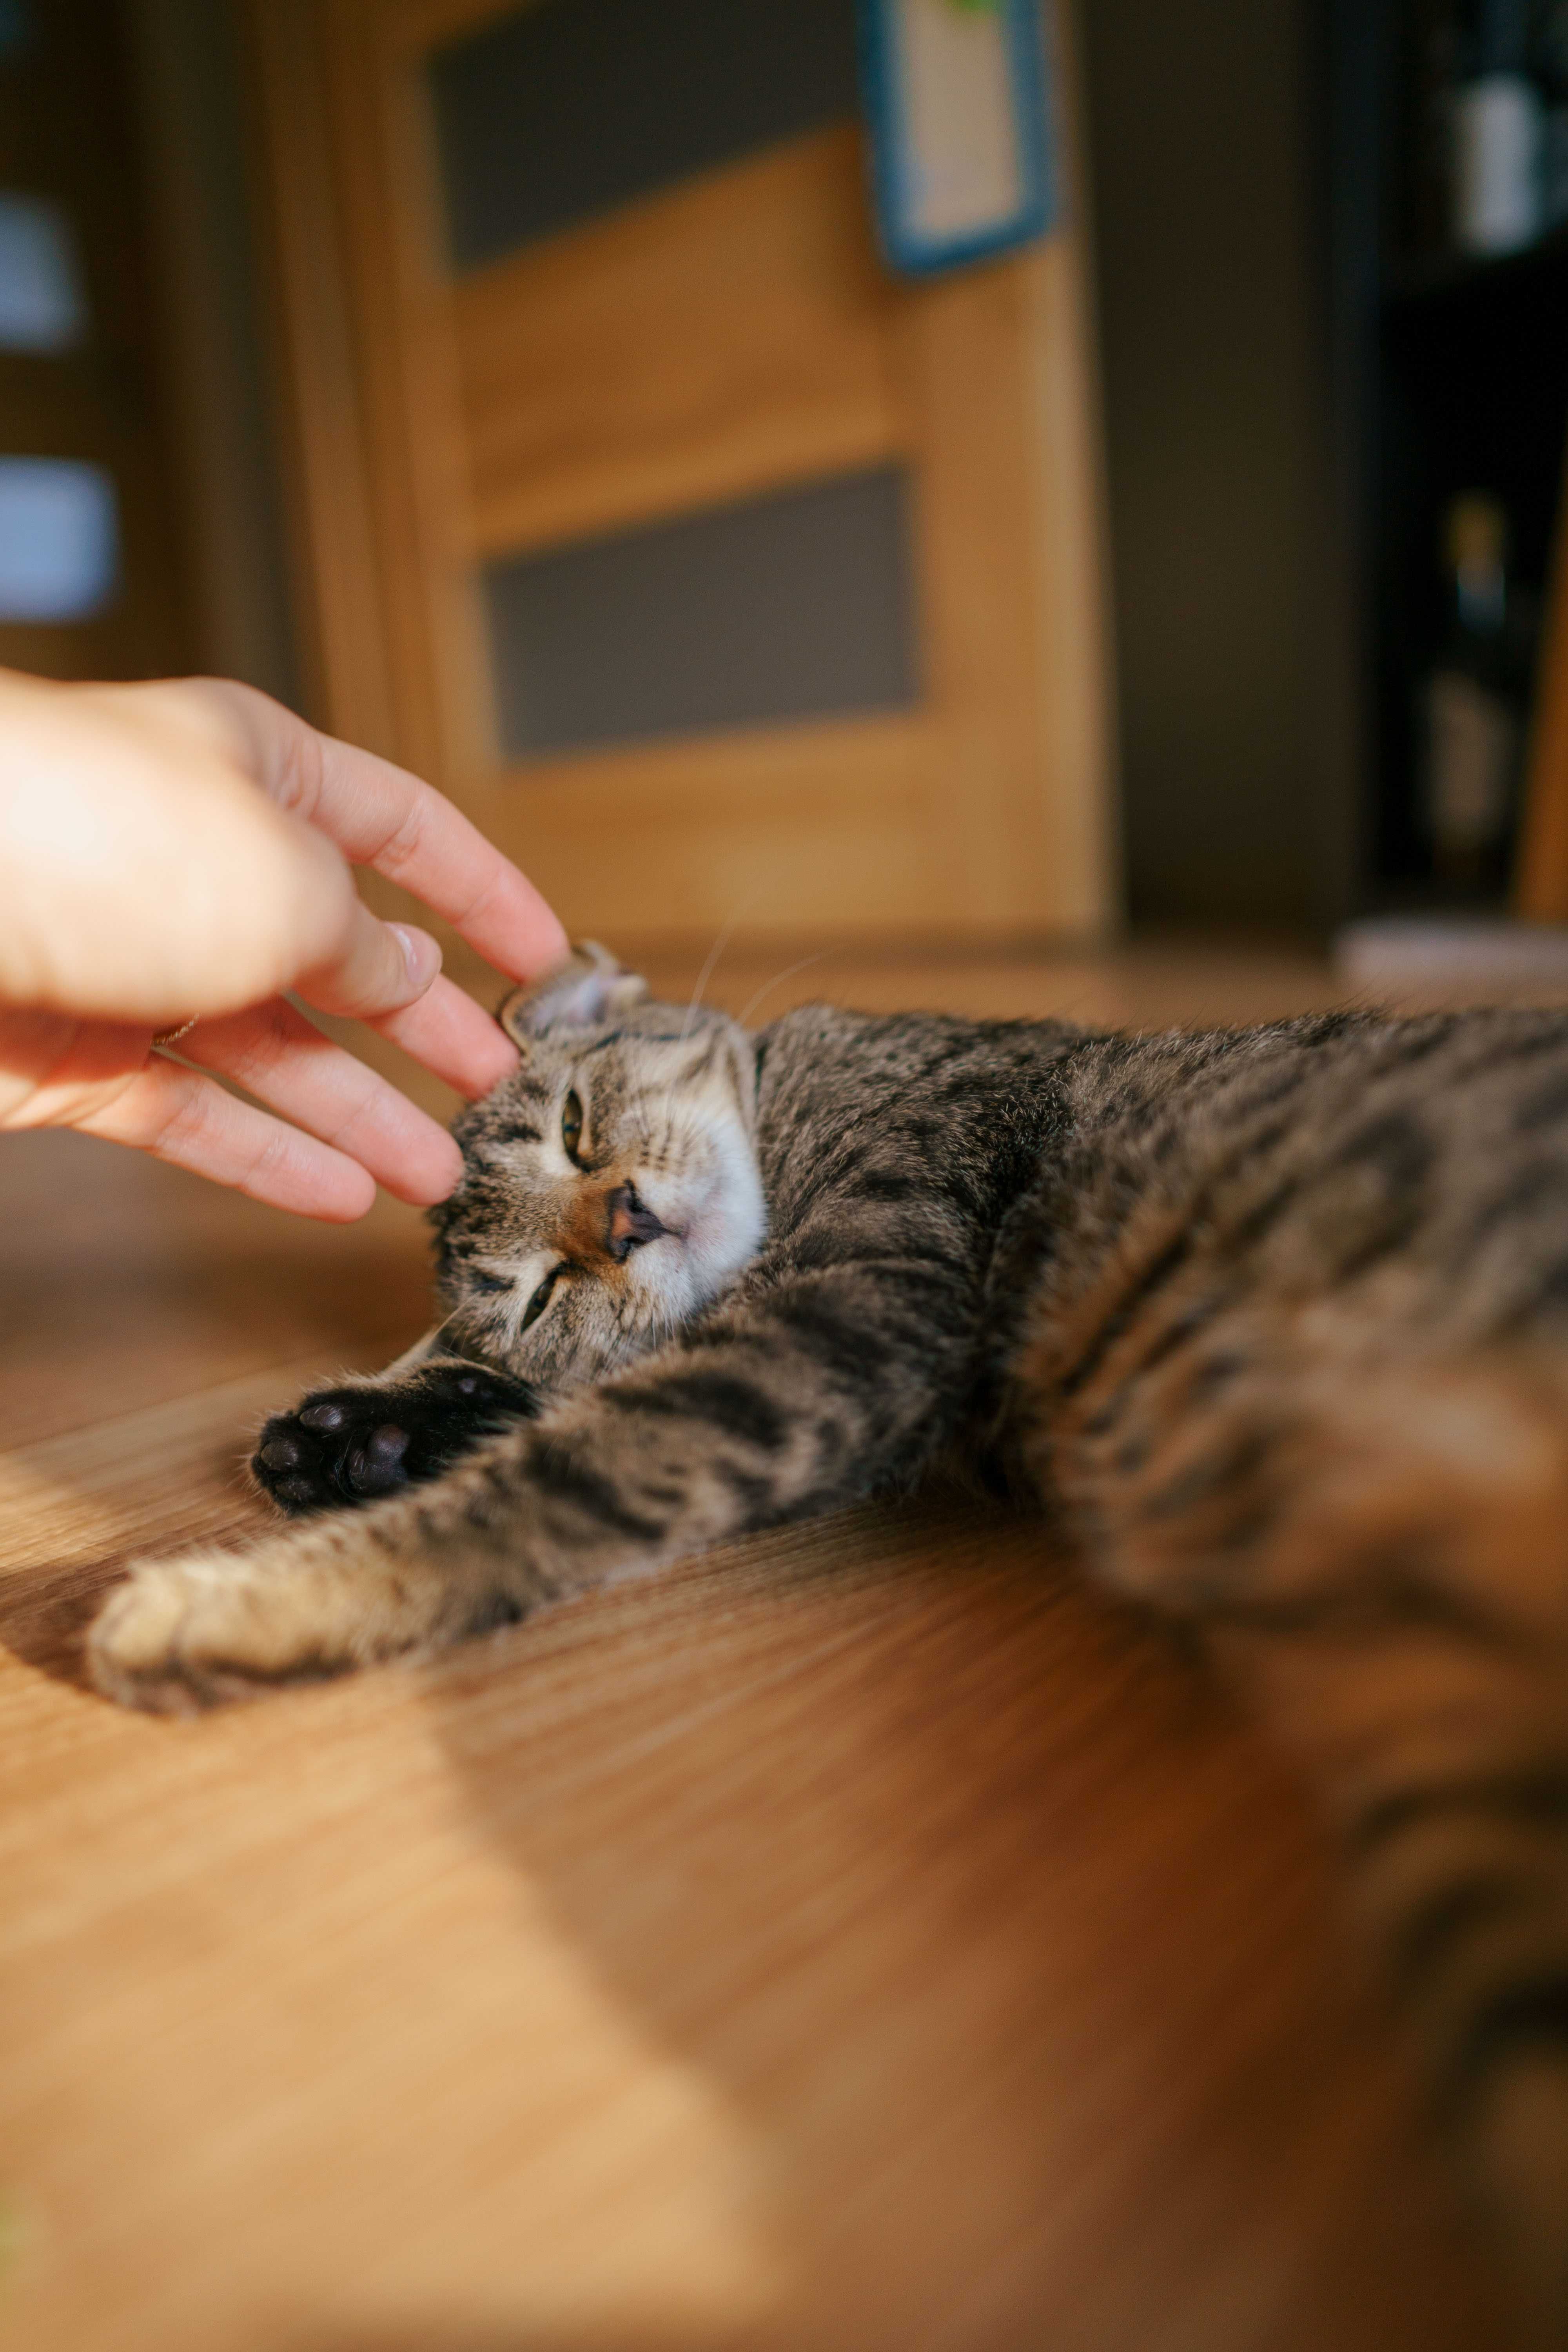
(958, 94)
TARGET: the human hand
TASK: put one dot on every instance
(181, 852)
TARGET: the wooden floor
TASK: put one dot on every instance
(863, 1937)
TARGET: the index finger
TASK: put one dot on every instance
(380, 815)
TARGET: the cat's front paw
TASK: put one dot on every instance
(183, 1635)
(342, 1447)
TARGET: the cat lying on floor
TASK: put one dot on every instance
(1274, 1320)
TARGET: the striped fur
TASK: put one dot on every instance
(1276, 1321)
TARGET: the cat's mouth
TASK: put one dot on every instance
(665, 1219)
(632, 1224)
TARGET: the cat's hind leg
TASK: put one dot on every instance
(1372, 1543)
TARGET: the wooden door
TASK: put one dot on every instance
(886, 715)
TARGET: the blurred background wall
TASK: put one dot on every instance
(190, 89)
(1203, 122)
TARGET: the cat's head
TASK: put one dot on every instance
(610, 1187)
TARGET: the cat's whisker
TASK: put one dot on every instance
(706, 974)
(778, 980)
(445, 1324)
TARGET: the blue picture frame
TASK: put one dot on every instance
(908, 246)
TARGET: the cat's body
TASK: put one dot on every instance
(1275, 1322)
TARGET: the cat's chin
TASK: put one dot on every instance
(676, 1281)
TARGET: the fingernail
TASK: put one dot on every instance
(420, 954)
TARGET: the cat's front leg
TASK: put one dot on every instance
(342, 1447)
(789, 1402)
(533, 1515)
(537, 1515)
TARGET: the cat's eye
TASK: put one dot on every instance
(571, 1125)
(540, 1299)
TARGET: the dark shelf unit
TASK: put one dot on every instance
(1293, 390)
(1463, 385)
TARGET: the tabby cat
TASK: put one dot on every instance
(1274, 1320)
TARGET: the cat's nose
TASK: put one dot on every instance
(630, 1223)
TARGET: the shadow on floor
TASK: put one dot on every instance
(45, 1614)
(1008, 1952)
(1010, 1949)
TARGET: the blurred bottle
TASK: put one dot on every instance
(1476, 700)
(1434, 62)
(1499, 127)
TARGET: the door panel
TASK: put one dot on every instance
(793, 605)
(547, 116)
(828, 822)
(717, 341)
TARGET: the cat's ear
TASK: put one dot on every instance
(583, 993)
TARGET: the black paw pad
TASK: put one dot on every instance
(324, 1416)
(352, 1445)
